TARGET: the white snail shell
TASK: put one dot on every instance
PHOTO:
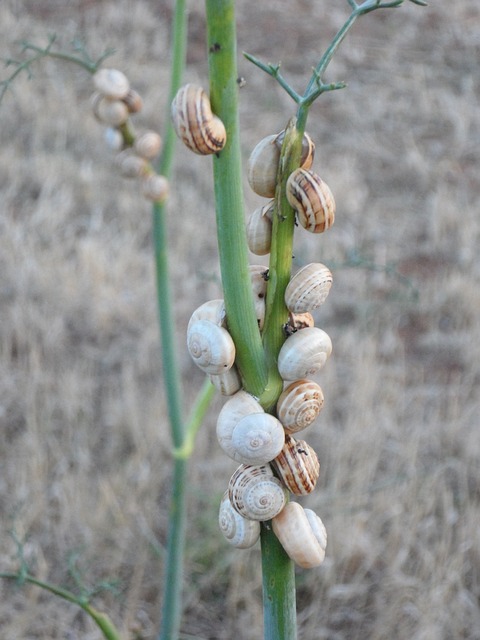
(312, 199)
(238, 406)
(299, 405)
(130, 165)
(238, 531)
(155, 187)
(113, 138)
(210, 346)
(111, 83)
(227, 383)
(297, 466)
(148, 144)
(309, 288)
(302, 534)
(304, 353)
(213, 310)
(111, 112)
(259, 280)
(259, 229)
(255, 492)
(195, 124)
(257, 438)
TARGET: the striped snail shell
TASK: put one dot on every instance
(147, 145)
(312, 199)
(194, 123)
(304, 353)
(210, 346)
(228, 382)
(238, 531)
(297, 466)
(111, 83)
(255, 492)
(259, 229)
(130, 165)
(299, 405)
(133, 100)
(302, 534)
(308, 288)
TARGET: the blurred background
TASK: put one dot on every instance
(84, 454)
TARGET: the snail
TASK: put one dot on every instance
(246, 433)
(111, 83)
(213, 310)
(113, 138)
(297, 466)
(308, 288)
(210, 346)
(239, 531)
(228, 382)
(299, 405)
(194, 123)
(264, 159)
(147, 145)
(110, 111)
(133, 100)
(255, 493)
(302, 534)
(154, 187)
(259, 229)
(130, 165)
(312, 199)
(259, 280)
(304, 353)
(300, 321)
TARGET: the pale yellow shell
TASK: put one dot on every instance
(213, 310)
(299, 405)
(308, 288)
(308, 149)
(111, 83)
(241, 404)
(312, 199)
(155, 187)
(194, 123)
(227, 383)
(210, 346)
(297, 466)
(301, 320)
(130, 165)
(302, 534)
(263, 167)
(259, 229)
(111, 112)
(255, 492)
(133, 100)
(148, 145)
(237, 530)
(257, 439)
(304, 353)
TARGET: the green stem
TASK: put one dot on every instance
(229, 203)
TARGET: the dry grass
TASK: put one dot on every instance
(84, 462)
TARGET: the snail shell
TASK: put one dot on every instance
(194, 123)
(133, 100)
(308, 288)
(131, 165)
(299, 405)
(304, 353)
(257, 438)
(148, 144)
(308, 149)
(297, 466)
(255, 492)
(227, 383)
(213, 310)
(312, 199)
(259, 229)
(300, 321)
(210, 346)
(109, 111)
(111, 83)
(259, 280)
(238, 531)
(155, 187)
(302, 534)
(113, 138)
(241, 404)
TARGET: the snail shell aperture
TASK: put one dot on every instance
(302, 534)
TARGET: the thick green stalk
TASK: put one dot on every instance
(229, 203)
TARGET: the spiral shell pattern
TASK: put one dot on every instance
(298, 466)
(299, 405)
(257, 439)
(238, 531)
(312, 199)
(211, 347)
(309, 288)
(255, 492)
(304, 353)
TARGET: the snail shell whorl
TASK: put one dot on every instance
(255, 492)
(148, 144)
(308, 149)
(309, 288)
(195, 124)
(227, 383)
(239, 531)
(259, 229)
(211, 347)
(238, 406)
(302, 534)
(213, 310)
(155, 187)
(111, 83)
(298, 467)
(257, 438)
(312, 199)
(304, 353)
(299, 405)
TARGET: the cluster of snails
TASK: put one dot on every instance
(273, 462)
(113, 102)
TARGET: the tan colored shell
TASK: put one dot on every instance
(148, 145)
(308, 149)
(133, 100)
(227, 383)
(255, 492)
(195, 124)
(304, 353)
(241, 404)
(308, 288)
(312, 199)
(130, 165)
(259, 280)
(213, 310)
(300, 321)
(299, 405)
(302, 534)
(111, 83)
(111, 112)
(155, 187)
(210, 346)
(259, 229)
(257, 439)
(237, 530)
(297, 466)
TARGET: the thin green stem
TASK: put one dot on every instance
(229, 203)
(197, 415)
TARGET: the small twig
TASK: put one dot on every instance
(274, 71)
